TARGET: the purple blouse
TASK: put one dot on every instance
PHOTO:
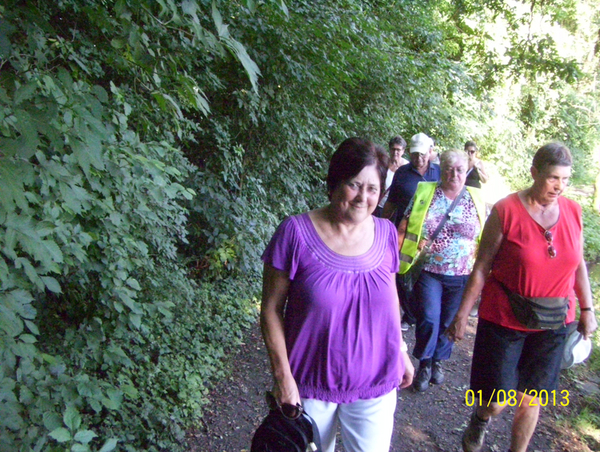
(342, 326)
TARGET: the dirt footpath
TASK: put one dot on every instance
(425, 422)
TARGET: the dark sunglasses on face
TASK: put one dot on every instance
(290, 411)
(471, 152)
(550, 239)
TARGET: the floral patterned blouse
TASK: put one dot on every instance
(454, 250)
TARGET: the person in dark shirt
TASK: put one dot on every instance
(402, 190)
(397, 146)
(408, 176)
(476, 173)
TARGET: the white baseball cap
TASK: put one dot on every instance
(577, 349)
(420, 143)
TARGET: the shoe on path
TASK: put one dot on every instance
(474, 434)
(421, 381)
(437, 373)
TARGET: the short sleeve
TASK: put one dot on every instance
(283, 249)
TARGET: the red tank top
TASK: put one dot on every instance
(523, 264)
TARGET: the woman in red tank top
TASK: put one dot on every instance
(531, 249)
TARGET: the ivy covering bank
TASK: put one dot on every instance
(105, 341)
(148, 148)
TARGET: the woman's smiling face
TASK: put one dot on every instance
(356, 199)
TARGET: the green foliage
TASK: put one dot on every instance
(330, 71)
(587, 422)
(591, 221)
(148, 149)
(104, 338)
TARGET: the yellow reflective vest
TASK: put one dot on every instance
(422, 201)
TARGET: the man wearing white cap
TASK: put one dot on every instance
(403, 189)
(408, 176)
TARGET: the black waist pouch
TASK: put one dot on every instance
(538, 313)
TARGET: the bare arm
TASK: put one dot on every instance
(402, 231)
(483, 175)
(488, 248)
(276, 284)
(389, 209)
(587, 320)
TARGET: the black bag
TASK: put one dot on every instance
(278, 433)
(409, 279)
(538, 313)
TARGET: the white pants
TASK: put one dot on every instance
(366, 425)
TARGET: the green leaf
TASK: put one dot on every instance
(49, 359)
(80, 448)
(284, 8)
(116, 396)
(24, 350)
(51, 284)
(136, 320)
(118, 43)
(52, 421)
(13, 175)
(30, 271)
(109, 445)
(28, 338)
(11, 416)
(85, 436)
(25, 92)
(131, 282)
(3, 270)
(32, 327)
(53, 250)
(10, 323)
(72, 418)
(130, 391)
(88, 152)
(168, 104)
(62, 435)
(29, 134)
(236, 48)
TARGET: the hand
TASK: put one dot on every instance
(409, 371)
(286, 391)
(456, 330)
(587, 323)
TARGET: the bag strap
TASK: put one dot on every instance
(447, 215)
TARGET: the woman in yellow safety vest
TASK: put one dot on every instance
(459, 213)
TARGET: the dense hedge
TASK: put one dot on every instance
(148, 148)
(105, 339)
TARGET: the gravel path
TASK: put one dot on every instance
(425, 422)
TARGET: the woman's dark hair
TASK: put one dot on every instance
(468, 144)
(552, 154)
(351, 157)
(397, 140)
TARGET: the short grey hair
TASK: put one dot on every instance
(453, 155)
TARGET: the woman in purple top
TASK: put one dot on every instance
(330, 313)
